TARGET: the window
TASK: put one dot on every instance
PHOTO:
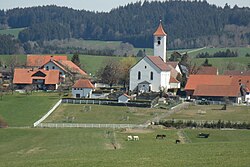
(47, 68)
(139, 75)
(53, 67)
(151, 75)
(159, 40)
(145, 67)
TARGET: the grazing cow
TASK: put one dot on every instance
(136, 137)
(160, 136)
(177, 141)
(130, 138)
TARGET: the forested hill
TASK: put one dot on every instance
(188, 24)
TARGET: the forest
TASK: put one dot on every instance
(189, 24)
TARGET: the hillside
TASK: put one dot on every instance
(189, 24)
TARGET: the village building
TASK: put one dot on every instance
(124, 98)
(218, 87)
(154, 73)
(50, 62)
(38, 79)
(237, 72)
(207, 70)
(82, 88)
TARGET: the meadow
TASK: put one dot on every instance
(213, 112)
(14, 31)
(20, 110)
(93, 147)
(103, 114)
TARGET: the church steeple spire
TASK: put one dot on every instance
(160, 31)
(160, 42)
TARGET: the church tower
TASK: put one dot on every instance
(160, 42)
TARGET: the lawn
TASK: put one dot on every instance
(92, 147)
(14, 31)
(24, 110)
(213, 112)
(102, 114)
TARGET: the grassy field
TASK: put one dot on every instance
(24, 110)
(242, 51)
(14, 31)
(213, 112)
(102, 114)
(92, 147)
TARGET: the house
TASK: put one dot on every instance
(124, 98)
(217, 87)
(207, 70)
(39, 60)
(153, 73)
(82, 89)
(39, 79)
(65, 67)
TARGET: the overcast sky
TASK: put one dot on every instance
(98, 5)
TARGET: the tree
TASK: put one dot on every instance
(206, 63)
(125, 65)
(110, 73)
(75, 59)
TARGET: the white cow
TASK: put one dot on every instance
(136, 137)
(130, 138)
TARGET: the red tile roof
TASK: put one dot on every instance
(241, 80)
(217, 90)
(72, 67)
(173, 80)
(26, 76)
(172, 63)
(195, 80)
(204, 70)
(83, 83)
(159, 63)
(39, 60)
(160, 31)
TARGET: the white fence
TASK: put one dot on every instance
(46, 115)
(76, 125)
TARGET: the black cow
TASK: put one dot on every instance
(177, 141)
(160, 136)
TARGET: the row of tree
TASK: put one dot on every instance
(188, 23)
(227, 53)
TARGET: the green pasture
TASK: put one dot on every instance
(242, 51)
(82, 113)
(93, 147)
(7, 59)
(24, 110)
(240, 63)
(91, 64)
(14, 31)
(213, 112)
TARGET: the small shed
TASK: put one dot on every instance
(123, 98)
(82, 89)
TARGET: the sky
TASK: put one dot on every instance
(98, 5)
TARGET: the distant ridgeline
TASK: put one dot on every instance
(188, 24)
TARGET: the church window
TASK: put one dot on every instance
(145, 67)
(151, 75)
(159, 42)
(139, 75)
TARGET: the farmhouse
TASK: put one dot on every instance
(154, 73)
(82, 89)
(38, 79)
(37, 61)
(217, 87)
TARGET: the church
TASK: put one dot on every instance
(155, 73)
